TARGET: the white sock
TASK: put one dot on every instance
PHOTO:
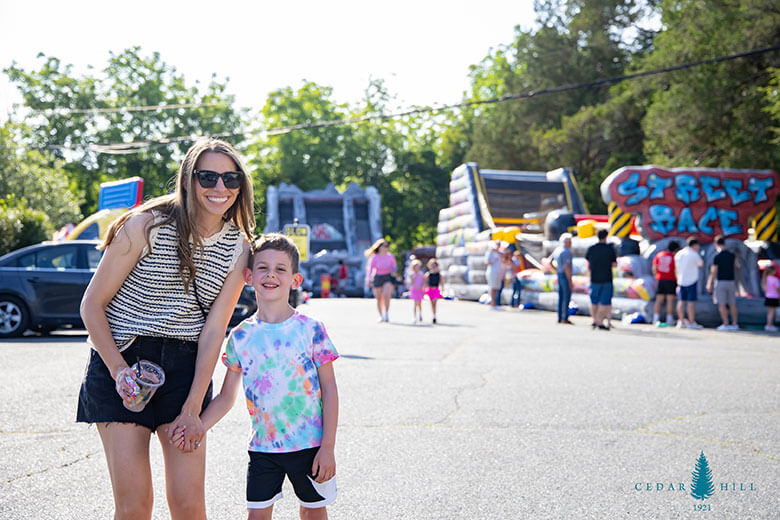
(669, 319)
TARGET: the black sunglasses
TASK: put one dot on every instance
(208, 178)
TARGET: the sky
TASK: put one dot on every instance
(421, 49)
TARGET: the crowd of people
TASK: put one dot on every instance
(382, 276)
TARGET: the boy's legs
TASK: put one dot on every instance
(127, 454)
(260, 514)
(185, 475)
(308, 513)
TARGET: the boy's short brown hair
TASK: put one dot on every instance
(276, 242)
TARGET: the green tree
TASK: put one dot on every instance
(714, 115)
(35, 196)
(65, 119)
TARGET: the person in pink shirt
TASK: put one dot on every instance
(771, 285)
(380, 269)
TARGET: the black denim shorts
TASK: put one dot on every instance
(99, 401)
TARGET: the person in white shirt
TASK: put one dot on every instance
(687, 263)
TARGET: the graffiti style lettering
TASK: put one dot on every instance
(631, 189)
(759, 187)
(734, 189)
(661, 218)
(704, 222)
(727, 217)
(687, 188)
(657, 186)
(700, 202)
(686, 225)
(709, 185)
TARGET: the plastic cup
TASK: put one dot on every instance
(152, 377)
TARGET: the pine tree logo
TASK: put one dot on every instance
(701, 483)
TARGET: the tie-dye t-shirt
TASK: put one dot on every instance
(278, 364)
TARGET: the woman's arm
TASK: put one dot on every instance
(209, 345)
(118, 260)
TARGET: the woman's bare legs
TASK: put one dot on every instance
(185, 475)
(127, 453)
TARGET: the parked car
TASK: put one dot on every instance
(41, 287)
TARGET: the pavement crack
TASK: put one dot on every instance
(61, 466)
(725, 443)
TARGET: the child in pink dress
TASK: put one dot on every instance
(771, 291)
(416, 282)
(432, 282)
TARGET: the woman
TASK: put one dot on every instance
(164, 291)
(379, 274)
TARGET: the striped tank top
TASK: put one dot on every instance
(152, 300)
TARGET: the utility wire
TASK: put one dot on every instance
(134, 147)
(109, 110)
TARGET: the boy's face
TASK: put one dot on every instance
(272, 276)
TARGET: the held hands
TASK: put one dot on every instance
(186, 432)
(324, 466)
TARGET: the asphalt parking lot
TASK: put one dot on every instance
(484, 415)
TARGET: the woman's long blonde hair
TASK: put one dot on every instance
(374, 249)
(181, 207)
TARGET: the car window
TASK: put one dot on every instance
(27, 261)
(93, 257)
(59, 258)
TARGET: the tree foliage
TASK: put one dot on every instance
(724, 114)
(63, 118)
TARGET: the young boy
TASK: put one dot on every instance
(284, 360)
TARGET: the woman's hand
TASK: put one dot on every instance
(186, 432)
(125, 384)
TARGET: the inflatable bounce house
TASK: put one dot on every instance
(342, 226)
(114, 199)
(648, 207)
(512, 206)
(674, 204)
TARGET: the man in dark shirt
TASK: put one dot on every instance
(601, 257)
(723, 280)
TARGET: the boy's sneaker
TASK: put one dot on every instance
(434, 321)
(768, 328)
(733, 327)
(680, 325)
(724, 327)
(694, 326)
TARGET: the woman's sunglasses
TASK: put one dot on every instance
(208, 178)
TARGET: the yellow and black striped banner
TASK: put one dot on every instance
(620, 223)
(765, 225)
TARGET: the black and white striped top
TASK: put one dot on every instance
(152, 301)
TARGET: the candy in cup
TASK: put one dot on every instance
(150, 379)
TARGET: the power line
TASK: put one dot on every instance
(134, 147)
(109, 110)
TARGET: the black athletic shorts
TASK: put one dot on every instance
(266, 473)
(381, 279)
(666, 287)
(99, 401)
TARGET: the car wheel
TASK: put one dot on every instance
(14, 318)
